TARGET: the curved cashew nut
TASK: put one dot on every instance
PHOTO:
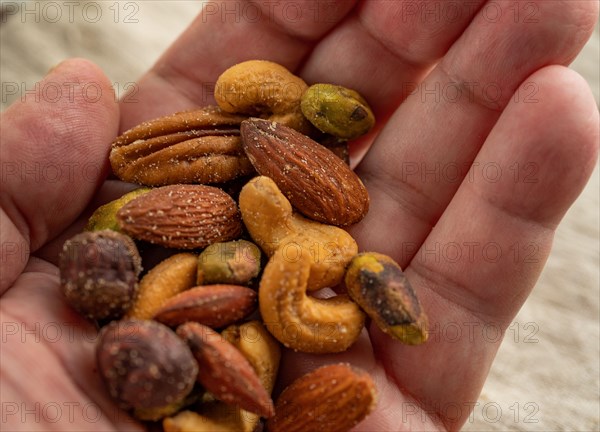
(301, 322)
(263, 88)
(273, 225)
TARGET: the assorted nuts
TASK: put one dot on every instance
(196, 342)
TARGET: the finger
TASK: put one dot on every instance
(392, 409)
(384, 47)
(478, 265)
(109, 191)
(427, 147)
(226, 33)
(54, 155)
(48, 360)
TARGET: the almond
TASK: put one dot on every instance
(332, 398)
(181, 216)
(212, 305)
(224, 371)
(317, 182)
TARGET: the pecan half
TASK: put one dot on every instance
(198, 146)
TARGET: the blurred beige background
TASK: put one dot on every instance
(546, 375)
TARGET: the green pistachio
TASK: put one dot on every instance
(105, 216)
(235, 262)
(337, 110)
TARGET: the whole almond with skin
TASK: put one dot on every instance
(212, 305)
(332, 398)
(224, 371)
(181, 216)
(317, 182)
(198, 146)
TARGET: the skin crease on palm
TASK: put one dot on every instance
(372, 47)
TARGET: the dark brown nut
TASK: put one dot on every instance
(236, 262)
(332, 398)
(342, 151)
(99, 273)
(212, 305)
(224, 371)
(199, 146)
(144, 364)
(317, 182)
(182, 216)
(376, 282)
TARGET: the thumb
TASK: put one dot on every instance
(54, 149)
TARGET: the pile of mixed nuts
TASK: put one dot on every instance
(195, 342)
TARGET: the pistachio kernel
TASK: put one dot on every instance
(376, 282)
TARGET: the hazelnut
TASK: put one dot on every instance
(144, 364)
(99, 273)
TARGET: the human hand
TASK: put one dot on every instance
(548, 134)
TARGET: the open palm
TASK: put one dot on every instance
(484, 141)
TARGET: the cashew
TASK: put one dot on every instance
(263, 88)
(301, 322)
(273, 225)
(263, 353)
